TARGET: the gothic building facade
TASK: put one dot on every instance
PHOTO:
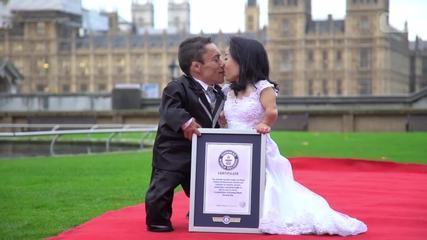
(359, 55)
(48, 49)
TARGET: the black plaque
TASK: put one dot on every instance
(227, 181)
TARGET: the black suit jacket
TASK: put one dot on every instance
(182, 99)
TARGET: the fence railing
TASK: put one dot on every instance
(58, 130)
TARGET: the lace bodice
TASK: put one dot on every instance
(245, 112)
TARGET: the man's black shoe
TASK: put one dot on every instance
(159, 228)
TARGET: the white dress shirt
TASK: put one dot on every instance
(205, 88)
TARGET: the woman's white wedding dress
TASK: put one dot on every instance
(289, 207)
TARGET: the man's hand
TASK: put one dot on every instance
(192, 128)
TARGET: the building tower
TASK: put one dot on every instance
(143, 15)
(379, 51)
(252, 16)
(179, 16)
(288, 20)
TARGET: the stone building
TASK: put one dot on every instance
(143, 14)
(252, 16)
(179, 16)
(39, 43)
(418, 65)
(45, 44)
(359, 55)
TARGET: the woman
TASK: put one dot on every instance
(289, 207)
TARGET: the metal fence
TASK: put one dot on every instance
(58, 130)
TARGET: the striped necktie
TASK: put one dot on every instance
(212, 97)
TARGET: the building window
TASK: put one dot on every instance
(40, 87)
(288, 87)
(43, 66)
(65, 88)
(286, 28)
(250, 21)
(17, 47)
(141, 21)
(64, 67)
(100, 65)
(40, 47)
(64, 46)
(286, 61)
(338, 87)
(310, 87)
(102, 87)
(364, 24)
(365, 58)
(279, 2)
(365, 86)
(120, 64)
(100, 71)
(41, 28)
(310, 58)
(83, 87)
(338, 60)
(83, 66)
(137, 66)
(155, 63)
(325, 59)
(325, 87)
(293, 2)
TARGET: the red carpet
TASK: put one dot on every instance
(390, 198)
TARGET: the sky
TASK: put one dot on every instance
(228, 15)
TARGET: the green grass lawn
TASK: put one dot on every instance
(43, 196)
(40, 197)
(398, 147)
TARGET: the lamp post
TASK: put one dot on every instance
(172, 68)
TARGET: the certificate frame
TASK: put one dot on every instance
(227, 181)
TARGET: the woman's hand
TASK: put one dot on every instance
(263, 128)
(222, 121)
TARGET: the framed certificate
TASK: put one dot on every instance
(227, 181)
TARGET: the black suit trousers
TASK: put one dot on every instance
(159, 197)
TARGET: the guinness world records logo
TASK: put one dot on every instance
(228, 160)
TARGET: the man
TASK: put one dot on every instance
(187, 104)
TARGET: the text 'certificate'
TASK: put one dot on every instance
(228, 178)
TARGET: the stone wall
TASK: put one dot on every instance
(398, 113)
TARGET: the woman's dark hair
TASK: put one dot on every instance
(191, 49)
(253, 62)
